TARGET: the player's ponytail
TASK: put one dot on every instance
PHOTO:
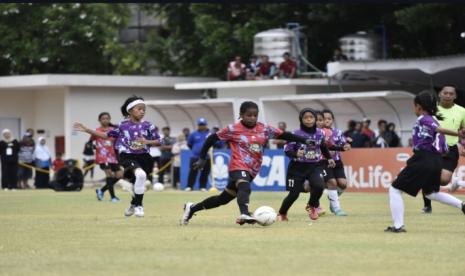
(428, 102)
(129, 100)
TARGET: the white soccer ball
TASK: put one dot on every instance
(265, 215)
(158, 187)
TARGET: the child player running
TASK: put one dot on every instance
(305, 165)
(105, 157)
(423, 170)
(246, 139)
(335, 177)
(134, 136)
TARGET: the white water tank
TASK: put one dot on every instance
(361, 46)
(275, 42)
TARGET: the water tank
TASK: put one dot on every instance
(361, 46)
(275, 42)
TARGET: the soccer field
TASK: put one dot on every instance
(49, 233)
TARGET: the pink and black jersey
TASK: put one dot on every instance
(104, 148)
(247, 145)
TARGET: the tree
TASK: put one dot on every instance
(63, 38)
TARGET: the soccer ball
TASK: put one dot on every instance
(158, 187)
(265, 215)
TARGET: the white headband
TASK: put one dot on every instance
(134, 103)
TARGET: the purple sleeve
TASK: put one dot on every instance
(114, 133)
(153, 133)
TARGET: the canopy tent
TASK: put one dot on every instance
(430, 72)
(393, 106)
(178, 114)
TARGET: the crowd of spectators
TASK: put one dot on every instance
(385, 136)
(261, 68)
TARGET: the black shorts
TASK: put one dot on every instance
(423, 172)
(298, 172)
(235, 176)
(451, 159)
(114, 167)
(130, 162)
(334, 173)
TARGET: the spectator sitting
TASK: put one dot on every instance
(267, 69)
(380, 135)
(392, 139)
(338, 56)
(252, 67)
(357, 138)
(366, 129)
(236, 69)
(58, 163)
(68, 178)
(287, 68)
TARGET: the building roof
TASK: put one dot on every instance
(67, 80)
(434, 71)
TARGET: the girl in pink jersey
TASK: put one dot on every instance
(106, 158)
(246, 139)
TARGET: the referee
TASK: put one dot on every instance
(454, 118)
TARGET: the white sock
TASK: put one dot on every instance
(139, 185)
(445, 198)
(334, 200)
(461, 183)
(397, 206)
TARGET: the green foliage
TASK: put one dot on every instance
(61, 38)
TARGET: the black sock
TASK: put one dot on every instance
(137, 200)
(243, 194)
(111, 187)
(107, 184)
(315, 195)
(213, 202)
(426, 201)
(288, 201)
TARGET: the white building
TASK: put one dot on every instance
(50, 104)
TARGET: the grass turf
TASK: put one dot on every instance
(49, 233)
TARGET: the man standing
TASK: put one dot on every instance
(454, 118)
(195, 143)
(167, 143)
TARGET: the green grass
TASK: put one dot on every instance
(48, 233)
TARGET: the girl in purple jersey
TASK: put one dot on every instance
(134, 138)
(305, 165)
(335, 178)
(423, 170)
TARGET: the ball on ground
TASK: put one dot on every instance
(265, 215)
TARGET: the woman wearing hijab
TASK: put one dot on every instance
(43, 160)
(9, 148)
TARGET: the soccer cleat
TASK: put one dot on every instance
(282, 217)
(321, 211)
(463, 207)
(392, 229)
(99, 194)
(340, 213)
(139, 211)
(243, 219)
(427, 210)
(129, 211)
(187, 215)
(187, 189)
(313, 213)
(454, 186)
(115, 199)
